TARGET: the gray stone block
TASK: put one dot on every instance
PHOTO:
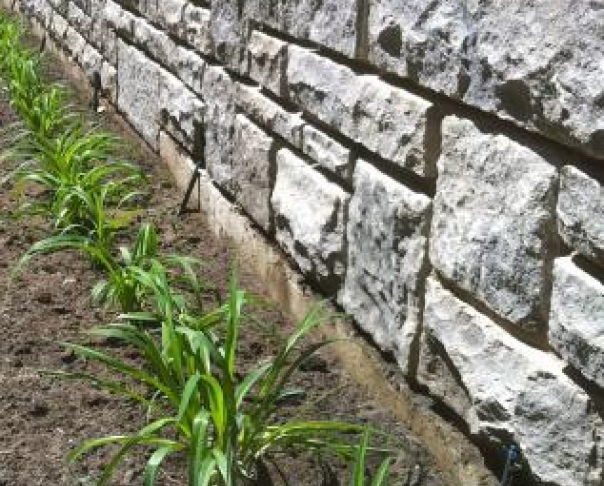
(385, 119)
(138, 91)
(253, 171)
(494, 219)
(508, 391)
(387, 260)
(309, 220)
(266, 61)
(576, 327)
(581, 213)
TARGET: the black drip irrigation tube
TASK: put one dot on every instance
(97, 87)
(512, 465)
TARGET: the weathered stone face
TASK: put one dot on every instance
(253, 170)
(537, 63)
(506, 389)
(580, 213)
(387, 264)
(577, 319)
(138, 92)
(265, 61)
(309, 219)
(331, 23)
(493, 221)
(384, 119)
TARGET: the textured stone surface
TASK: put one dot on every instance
(386, 120)
(577, 319)
(219, 92)
(138, 91)
(226, 26)
(581, 213)
(387, 245)
(254, 168)
(511, 391)
(538, 63)
(182, 112)
(265, 61)
(270, 115)
(493, 221)
(331, 23)
(196, 28)
(309, 220)
(327, 152)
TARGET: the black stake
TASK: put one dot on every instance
(195, 177)
(97, 86)
(512, 465)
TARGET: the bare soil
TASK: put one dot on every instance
(42, 418)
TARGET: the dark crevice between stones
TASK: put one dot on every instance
(538, 340)
(589, 267)
(361, 47)
(595, 392)
(272, 178)
(405, 176)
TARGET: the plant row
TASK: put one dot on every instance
(200, 405)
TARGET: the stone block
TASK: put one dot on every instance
(581, 213)
(255, 157)
(182, 112)
(509, 392)
(331, 23)
(309, 220)
(266, 61)
(536, 63)
(196, 29)
(387, 260)
(327, 152)
(139, 91)
(494, 221)
(576, 327)
(387, 120)
(119, 19)
(270, 115)
(219, 92)
(78, 19)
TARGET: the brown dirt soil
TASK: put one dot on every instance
(42, 418)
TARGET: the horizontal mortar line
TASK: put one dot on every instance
(537, 341)
(525, 136)
(330, 176)
(400, 174)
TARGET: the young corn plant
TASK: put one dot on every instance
(359, 473)
(225, 424)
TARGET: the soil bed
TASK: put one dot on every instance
(42, 418)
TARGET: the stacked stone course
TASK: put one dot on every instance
(436, 167)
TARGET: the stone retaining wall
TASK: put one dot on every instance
(435, 166)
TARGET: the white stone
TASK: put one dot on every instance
(387, 260)
(327, 152)
(385, 119)
(265, 61)
(309, 220)
(576, 327)
(511, 392)
(581, 213)
(492, 230)
(138, 91)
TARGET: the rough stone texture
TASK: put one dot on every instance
(196, 28)
(219, 92)
(387, 262)
(577, 319)
(226, 26)
(182, 112)
(386, 120)
(138, 91)
(270, 115)
(328, 153)
(511, 392)
(331, 23)
(265, 61)
(538, 63)
(309, 220)
(493, 221)
(581, 213)
(253, 171)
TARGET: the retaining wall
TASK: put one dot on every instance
(434, 166)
